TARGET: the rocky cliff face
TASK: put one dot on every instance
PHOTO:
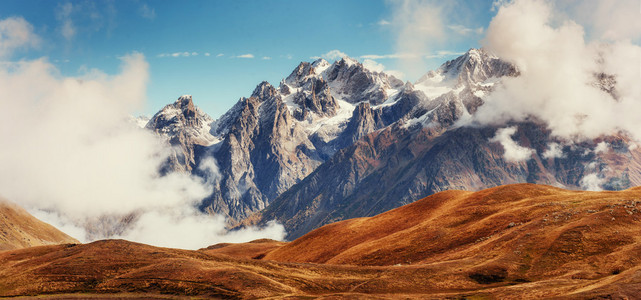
(276, 137)
(184, 127)
(421, 153)
(337, 141)
(396, 166)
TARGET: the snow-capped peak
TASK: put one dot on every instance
(475, 67)
(183, 116)
(320, 65)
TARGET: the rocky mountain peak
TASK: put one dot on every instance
(320, 65)
(303, 70)
(183, 125)
(477, 65)
(355, 83)
(186, 105)
(264, 90)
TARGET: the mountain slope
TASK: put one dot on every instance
(19, 229)
(426, 151)
(338, 141)
(185, 127)
(509, 242)
(277, 136)
(456, 224)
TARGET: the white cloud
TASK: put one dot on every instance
(76, 161)
(220, 54)
(462, 30)
(592, 182)
(63, 14)
(496, 4)
(390, 56)
(558, 67)
(16, 33)
(207, 54)
(249, 55)
(443, 54)
(147, 12)
(266, 58)
(168, 229)
(178, 54)
(602, 147)
(378, 67)
(611, 20)
(513, 151)
(383, 22)
(86, 17)
(419, 26)
(373, 65)
(334, 55)
(554, 150)
(437, 54)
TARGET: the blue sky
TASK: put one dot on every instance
(219, 51)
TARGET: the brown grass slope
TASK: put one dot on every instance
(19, 229)
(519, 241)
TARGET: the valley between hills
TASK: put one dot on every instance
(508, 242)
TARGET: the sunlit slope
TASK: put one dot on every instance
(19, 229)
(527, 230)
(510, 242)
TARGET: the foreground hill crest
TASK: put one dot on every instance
(508, 242)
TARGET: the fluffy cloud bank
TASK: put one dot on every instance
(561, 69)
(72, 156)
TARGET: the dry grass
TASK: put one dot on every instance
(510, 242)
(19, 229)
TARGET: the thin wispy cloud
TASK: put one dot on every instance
(443, 54)
(220, 55)
(16, 33)
(378, 67)
(383, 22)
(330, 55)
(248, 55)
(178, 54)
(266, 58)
(437, 54)
(63, 14)
(389, 56)
(207, 54)
(86, 18)
(419, 27)
(462, 30)
(147, 12)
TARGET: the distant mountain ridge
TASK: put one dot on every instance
(337, 141)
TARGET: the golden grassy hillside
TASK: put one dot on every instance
(19, 229)
(511, 242)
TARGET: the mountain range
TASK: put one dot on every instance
(338, 141)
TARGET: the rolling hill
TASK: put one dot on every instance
(509, 242)
(19, 229)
